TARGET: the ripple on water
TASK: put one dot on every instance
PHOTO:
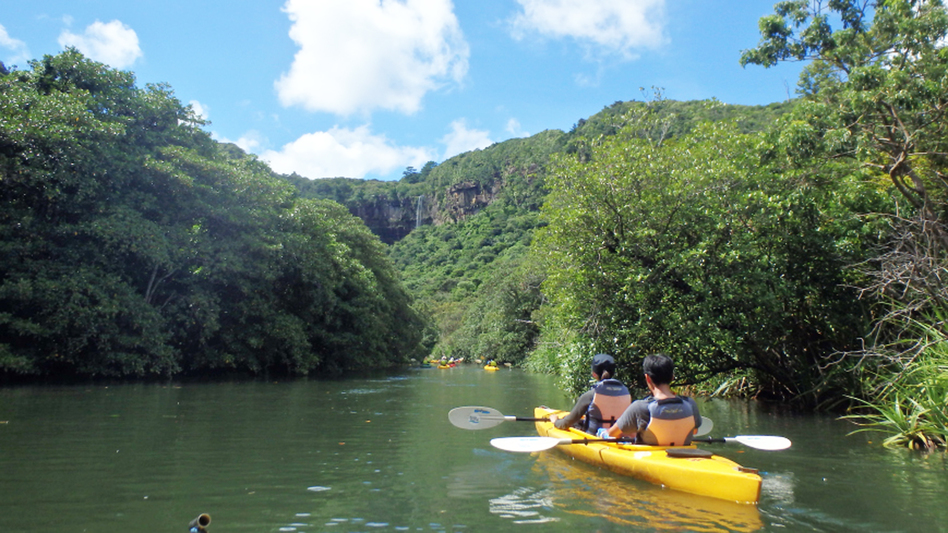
(361, 391)
(523, 506)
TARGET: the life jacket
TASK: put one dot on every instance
(671, 423)
(610, 399)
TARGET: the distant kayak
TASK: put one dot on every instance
(488, 367)
(684, 468)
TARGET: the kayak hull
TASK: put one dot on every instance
(692, 471)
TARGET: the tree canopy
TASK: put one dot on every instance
(709, 248)
(133, 244)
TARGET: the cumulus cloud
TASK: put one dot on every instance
(112, 43)
(200, 109)
(514, 128)
(249, 142)
(18, 52)
(344, 152)
(462, 139)
(360, 55)
(612, 26)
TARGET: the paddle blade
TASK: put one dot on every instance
(762, 442)
(527, 444)
(706, 426)
(474, 417)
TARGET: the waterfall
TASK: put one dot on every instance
(418, 206)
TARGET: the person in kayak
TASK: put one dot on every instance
(663, 418)
(601, 405)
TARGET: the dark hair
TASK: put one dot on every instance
(603, 365)
(660, 368)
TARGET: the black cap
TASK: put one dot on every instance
(602, 362)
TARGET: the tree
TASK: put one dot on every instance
(697, 247)
(876, 93)
(131, 243)
(877, 90)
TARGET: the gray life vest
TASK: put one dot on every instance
(610, 399)
(671, 423)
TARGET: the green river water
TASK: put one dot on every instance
(378, 454)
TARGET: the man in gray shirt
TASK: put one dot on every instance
(663, 418)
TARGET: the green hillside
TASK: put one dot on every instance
(465, 259)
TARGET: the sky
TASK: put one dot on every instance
(368, 88)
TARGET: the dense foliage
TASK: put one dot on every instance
(468, 264)
(132, 244)
(699, 247)
(470, 276)
(876, 94)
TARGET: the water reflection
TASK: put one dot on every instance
(579, 489)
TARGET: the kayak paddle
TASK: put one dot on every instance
(474, 417)
(477, 417)
(768, 443)
(538, 444)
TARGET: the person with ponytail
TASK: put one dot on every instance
(600, 406)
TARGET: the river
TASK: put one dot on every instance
(378, 454)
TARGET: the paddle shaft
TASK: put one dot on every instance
(620, 440)
(631, 440)
(712, 440)
(537, 444)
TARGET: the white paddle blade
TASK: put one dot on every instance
(472, 417)
(762, 442)
(527, 444)
(706, 426)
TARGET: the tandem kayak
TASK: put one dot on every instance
(684, 468)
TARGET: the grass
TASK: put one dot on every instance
(912, 406)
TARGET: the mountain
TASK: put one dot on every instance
(460, 231)
(511, 170)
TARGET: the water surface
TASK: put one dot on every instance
(379, 455)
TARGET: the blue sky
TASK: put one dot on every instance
(366, 88)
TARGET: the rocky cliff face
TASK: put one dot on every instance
(392, 219)
(465, 199)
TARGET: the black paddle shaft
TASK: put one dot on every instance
(619, 440)
(711, 440)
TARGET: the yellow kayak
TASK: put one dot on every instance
(488, 367)
(684, 468)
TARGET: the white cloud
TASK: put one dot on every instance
(359, 55)
(113, 43)
(249, 142)
(514, 128)
(200, 109)
(343, 152)
(18, 50)
(613, 26)
(461, 139)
